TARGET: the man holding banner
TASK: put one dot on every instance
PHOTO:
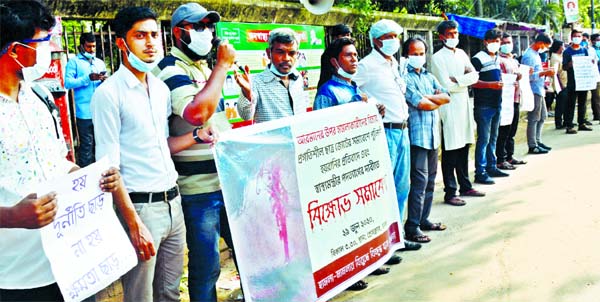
(574, 50)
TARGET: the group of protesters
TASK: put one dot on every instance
(155, 119)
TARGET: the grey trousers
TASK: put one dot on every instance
(535, 121)
(423, 169)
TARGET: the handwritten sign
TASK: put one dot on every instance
(86, 245)
(585, 73)
(508, 98)
(527, 103)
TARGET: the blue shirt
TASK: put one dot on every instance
(77, 77)
(335, 92)
(532, 58)
(423, 125)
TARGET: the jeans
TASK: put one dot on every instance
(158, 278)
(85, 154)
(535, 121)
(399, 148)
(206, 222)
(505, 145)
(455, 160)
(423, 169)
(488, 121)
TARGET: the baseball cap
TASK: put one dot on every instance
(193, 13)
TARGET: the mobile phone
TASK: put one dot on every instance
(103, 72)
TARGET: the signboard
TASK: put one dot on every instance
(571, 11)
(508, 98)
(527, 102)
(86, 245)
(311, 202)
(250, 41)
(586, 73)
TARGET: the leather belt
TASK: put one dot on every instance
(402, 125)
(166, 196)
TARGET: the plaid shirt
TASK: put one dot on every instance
(423, 126)
(271, 100)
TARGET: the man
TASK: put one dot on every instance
(505, 146)
(83, 74)
(337, 32)
(575, 49)
(595, 46)
(278, 91)
(31, 153)
(195, 94)
(452, 67)
(424, 95)
(486, 110)
(378, 77)
(536, 117)
(130, 112)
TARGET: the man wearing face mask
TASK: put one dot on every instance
(195, 94)
(424, 95)
(575, 49)
(130, 111)
(486, 110)
(278, 91)
(452, 67)
(84, 73)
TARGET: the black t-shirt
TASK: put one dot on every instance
(489, 71)
(568, 55)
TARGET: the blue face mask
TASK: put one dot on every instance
(138, 64)
(597, 44)
(584, 44)
(88, 55)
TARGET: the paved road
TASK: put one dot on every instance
(534, 237)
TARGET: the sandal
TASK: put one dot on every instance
(381, 271)
(359, 285)
(437, 226)
(420, 238)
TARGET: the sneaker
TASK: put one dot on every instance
(505, 166)
(497, 173)
(484, 180)
(584, 127)
(571, 131)
(544, 146)
(537, 150)
(473, 193)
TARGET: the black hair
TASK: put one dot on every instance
(446, 25)
(20, 19)
(492, 34)
(332, 51)
(544, 38)
(575, 31)
(412, 40)
(505, 35)
(87, 37)
(594, 37)
(340, 29)
(556, 44)
(127, 17)
(586, 35)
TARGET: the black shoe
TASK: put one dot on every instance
(497, 173)
(544, 146)
(584, 128)
(380, 271)
(410, 246)
(558, 127)
(571, 130)
(484, 180)
(395, 259)
(588, 123)
(537, 150)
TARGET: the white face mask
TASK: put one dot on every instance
(577, 40)
(200, 41)
(138, 64)
(390, 46)
(341, 72)
(43, 58)
(452, 43)
(542, 50)
(277, 72)
(416, 61)
(493, 47)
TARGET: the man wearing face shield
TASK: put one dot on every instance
(195, 95)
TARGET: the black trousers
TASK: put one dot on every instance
(85, 154)
(581, 97)
(505, 144)
(559, 108)
(46, 293)
(455, 161)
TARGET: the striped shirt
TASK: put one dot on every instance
(271, 100)
(489, 71)
(195, 165)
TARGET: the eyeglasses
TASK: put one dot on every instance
(200, 26)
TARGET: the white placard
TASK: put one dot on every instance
(508, 98)
(586, 73)
(527, 103)
(86, 244)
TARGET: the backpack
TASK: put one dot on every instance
(52, 108)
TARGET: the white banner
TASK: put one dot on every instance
(86, 245)
(586, 73)
(508, 98)
(527, 103)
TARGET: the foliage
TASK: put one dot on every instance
(366, 10)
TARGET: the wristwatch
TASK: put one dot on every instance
(195, 135)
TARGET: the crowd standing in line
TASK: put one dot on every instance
(155, 119)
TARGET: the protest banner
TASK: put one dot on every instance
(251, 40)
(585, 73)
(507, 110)
(311, 202)
(527, 103)
(86, 245)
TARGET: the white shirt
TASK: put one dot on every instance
(131, 128)
(30, 154)
(379, 79)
